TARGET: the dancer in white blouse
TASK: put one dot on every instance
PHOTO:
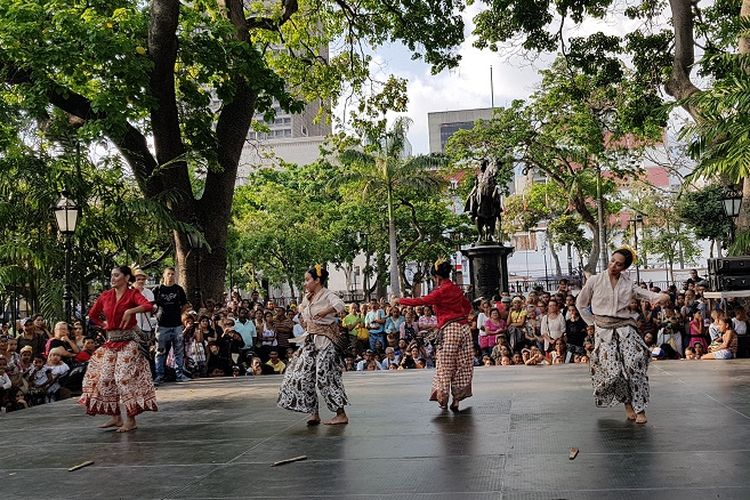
(620, 358)
(320, 361)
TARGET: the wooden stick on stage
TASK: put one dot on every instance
(573, 453)
(81, 466)
(290, 460)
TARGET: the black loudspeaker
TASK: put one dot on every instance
(729, 266)
(729, 283)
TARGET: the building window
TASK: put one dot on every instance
(448, 129)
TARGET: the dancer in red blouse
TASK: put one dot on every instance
(454, 360)
(118, 372)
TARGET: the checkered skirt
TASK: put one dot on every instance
(454, 365)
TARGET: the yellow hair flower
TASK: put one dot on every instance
(318, 270)
(439, 262)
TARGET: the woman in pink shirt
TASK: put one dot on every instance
(118, 372)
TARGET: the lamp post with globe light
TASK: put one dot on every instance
(66, 215)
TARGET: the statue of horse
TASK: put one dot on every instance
(484, 200)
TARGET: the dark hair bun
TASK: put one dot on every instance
(319, 272)
(628, 254)
(442, 269)
(128, 272)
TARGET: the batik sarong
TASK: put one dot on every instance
(118, 373)
(313, 368)
(619, 363)
(454, 367)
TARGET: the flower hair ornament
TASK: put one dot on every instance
(439, 263)
(318, 270)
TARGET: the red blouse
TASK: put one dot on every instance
(113, 310)
(447, 301)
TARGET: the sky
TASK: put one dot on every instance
(467, 86)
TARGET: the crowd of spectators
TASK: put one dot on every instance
(251, 336)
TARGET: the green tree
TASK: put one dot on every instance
(573, 129)
(664, 234)
(661, 57)
(378, 166)
(174, 85)
(702, 212)
(285, 221)
(116, 225)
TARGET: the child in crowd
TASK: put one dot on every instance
(39, 378)
(57, 369)
(696, 332)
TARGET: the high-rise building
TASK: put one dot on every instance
(443, 124)
(293, 138)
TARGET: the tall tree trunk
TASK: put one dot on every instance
(594, 255)
(393, 247)
(579, 203)
(380, 286)
(555, 257)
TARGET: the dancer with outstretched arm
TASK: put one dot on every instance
(320, 363)
(620, 358)
(454, 366)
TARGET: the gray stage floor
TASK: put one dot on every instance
(217, 439)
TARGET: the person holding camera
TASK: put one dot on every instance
(455, 351)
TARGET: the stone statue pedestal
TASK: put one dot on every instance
(488, 265)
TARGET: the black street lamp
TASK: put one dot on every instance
(66, 216)
(638, 219)
(732, 202)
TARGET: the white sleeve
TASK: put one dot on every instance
(583, 301)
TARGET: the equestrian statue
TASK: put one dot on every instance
(484, 201)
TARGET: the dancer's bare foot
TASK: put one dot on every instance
(112, 422)
(314, 419)
(629, 411)
(128, 426)
(641, 418)
(454, 407)
(339, 419)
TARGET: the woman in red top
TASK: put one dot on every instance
(454, 366)
(118, 371)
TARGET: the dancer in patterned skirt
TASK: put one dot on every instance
(454, 366)
(620, 358)
(118, 372)
(320, 363)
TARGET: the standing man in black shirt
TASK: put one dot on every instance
(171, 301)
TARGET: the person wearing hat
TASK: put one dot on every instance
(454, 367)
(29, 337)
(620, 357)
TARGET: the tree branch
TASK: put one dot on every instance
(131, 143)
(266, 23)
(680, 86)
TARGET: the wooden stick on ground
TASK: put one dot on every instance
(290, 460)
(81, 465)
